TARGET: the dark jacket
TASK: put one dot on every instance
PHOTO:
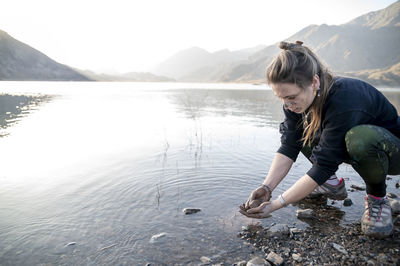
(350, 102)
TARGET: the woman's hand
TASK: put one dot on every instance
(259, 195)
(262, 211)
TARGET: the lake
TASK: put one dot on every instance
(99, 173)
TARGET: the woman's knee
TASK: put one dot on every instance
(361, 139)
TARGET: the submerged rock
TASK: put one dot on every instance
(347, 202)
(278, 230)
(305, 214)
(190, 210)
(157, 237)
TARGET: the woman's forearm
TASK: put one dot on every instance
(304, 186)
(280, 166)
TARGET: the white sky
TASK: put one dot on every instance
(123, 35)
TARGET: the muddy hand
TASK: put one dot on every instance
(260, 194)
(262, 211)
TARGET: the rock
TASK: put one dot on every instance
(278, 230)
(370, 263)
(71, 244)
(340, 248)
(297, 257)
(382, 258)
(391, 195)
(395, 205)
(241, 263)
(357, 186)
(190, 210)
(295, 231)
(157, 237)
(305, 214)
(397, 185)
(275, 258)
(347, 202)
(257, 261)
(205, 259)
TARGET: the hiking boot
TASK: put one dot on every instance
(337, 192)
(377, 218)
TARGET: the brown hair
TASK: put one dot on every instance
(298, 65)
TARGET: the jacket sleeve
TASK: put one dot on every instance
(292, 131)
(330, 152)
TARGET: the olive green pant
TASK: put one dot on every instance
(373, 152)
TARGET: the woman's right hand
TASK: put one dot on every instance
(260, 194)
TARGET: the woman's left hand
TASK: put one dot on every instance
(262, 211)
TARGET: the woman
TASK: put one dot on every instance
(331, 120)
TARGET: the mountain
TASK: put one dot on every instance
(131, 76)
(19, 61)
(366, 47)
(185, 65)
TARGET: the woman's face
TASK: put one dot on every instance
(294, 97)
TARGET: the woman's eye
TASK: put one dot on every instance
(291, 98)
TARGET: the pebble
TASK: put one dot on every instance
(395, 205)
(340, 248)
(275, 258)
(297, 257)
(391, 195)
(205, 259)
(241, 263)
(357, 186)
(305, 214)
(397, 185)
(71, 244)
(278, 230)
(190, 210)
(347, 202)
(257, 261)
(156, 237)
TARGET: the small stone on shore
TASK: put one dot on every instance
(275, 258)
(257, 261)
(297, 257)
(395, 205)
(190, 210)
(358, 186)
(391, 195)
(305, 214)
(340, 248)
(205, 259)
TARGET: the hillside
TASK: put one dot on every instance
(131, 76)
(19, 61)
(366, 47)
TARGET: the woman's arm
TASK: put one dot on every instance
(280, 166)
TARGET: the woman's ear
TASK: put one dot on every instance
(316, 82)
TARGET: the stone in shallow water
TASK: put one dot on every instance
(305, 214)
(190, 210)
(347, 202)
(391, 195)
(157, 237)
(278, 230)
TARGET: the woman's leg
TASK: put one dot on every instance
(374, 152)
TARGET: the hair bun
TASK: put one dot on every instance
(289, 45)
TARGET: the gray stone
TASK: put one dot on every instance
(275, 258)
(295, 231)
(71, 244)
(305, 214)
(257, 261)
(391, 195)
(241, 263)
(347, 202)
(155, 238)
(190, 210)
(370, 263)
(395, 205)
(297, 257)
(340, 248)
(205, 259)
(358, 186)
(278, 230)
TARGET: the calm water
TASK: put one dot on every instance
(103, 167)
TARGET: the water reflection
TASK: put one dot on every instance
(13, 107)
(259, 107)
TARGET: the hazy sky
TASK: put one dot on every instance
(131, 35)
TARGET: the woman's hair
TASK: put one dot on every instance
(298, 65)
